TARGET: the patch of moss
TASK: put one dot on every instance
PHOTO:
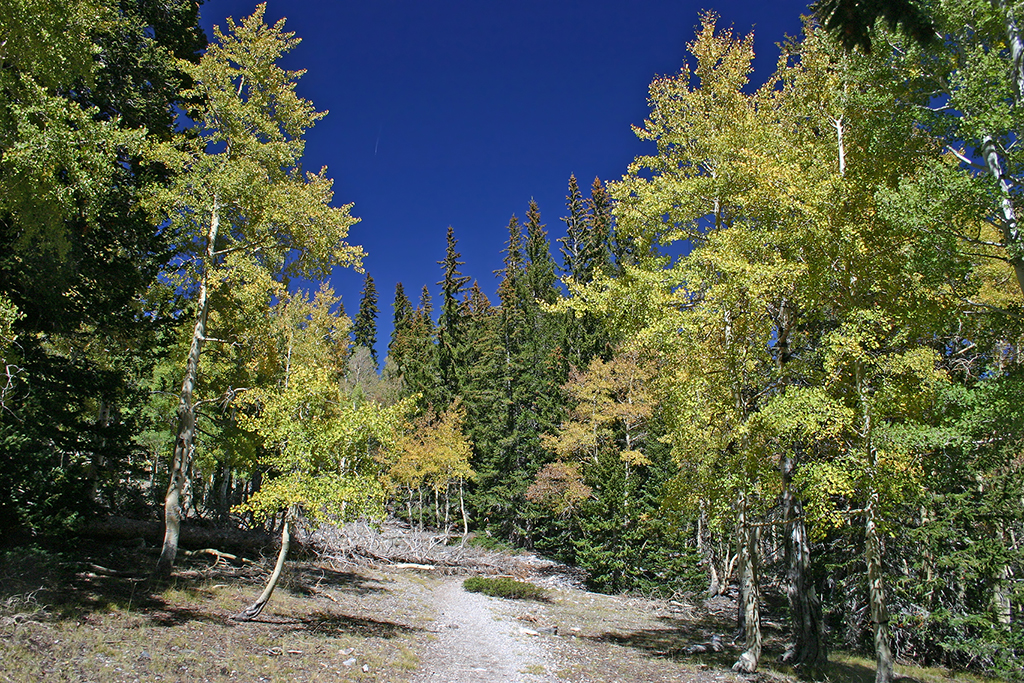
(504, 588)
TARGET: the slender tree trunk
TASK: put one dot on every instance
(462, 507)
(447, 507)
(808, 654)
(255, 608)
(180, 464)
(749, 590)
(1010, 228)
(876, 592)
(873, 541)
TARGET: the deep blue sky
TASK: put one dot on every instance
(457, 112)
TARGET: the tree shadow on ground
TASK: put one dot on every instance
(707, 639)
(311, 579)
(334, 624)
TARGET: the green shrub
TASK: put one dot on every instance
(504, 588)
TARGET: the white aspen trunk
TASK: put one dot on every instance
(838, 123)
(180, 464)
(749, 590)
(255, 608)
(876, 592)
(1016, 48)
(1009, 226)
(808, 654)
(462, 507)
(873, 542)
(447, 506)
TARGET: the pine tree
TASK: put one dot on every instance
(597, 243)
(572, 245)
(402, 322)
(450, 331)
(416, 350)
(364, 328)
(527, 372)
(583, 335)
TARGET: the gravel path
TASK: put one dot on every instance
(479, 640)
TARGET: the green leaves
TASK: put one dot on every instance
(327, 450)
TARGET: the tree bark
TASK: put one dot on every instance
(180, 464)
(809, 654)
(876, 592)
(255, 608)
(749, 590)
(1008, 225)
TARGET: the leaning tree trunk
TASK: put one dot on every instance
(255, 608)
(749, 590)
(808, 654)
(186, 415)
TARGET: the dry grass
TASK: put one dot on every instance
(59, 620)
(81, 617)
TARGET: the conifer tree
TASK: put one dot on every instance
(416, 350)
(597, 245)
(450, 323)
(364, 328)
(526, 340)
(583, 335)
(402, 322)
(572, 245)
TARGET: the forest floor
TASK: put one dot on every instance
(90, 615)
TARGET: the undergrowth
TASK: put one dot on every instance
(504, 588)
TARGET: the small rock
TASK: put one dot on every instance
(350, 661)
(144, 657)
(347, 651)
(528, 632)
(548, 630)
(366, 668)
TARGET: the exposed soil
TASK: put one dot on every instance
(82, 617)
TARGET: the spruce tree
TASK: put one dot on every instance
(401, 323)
(450, 324)
(585, 253)
(597, 242)
(413, 345)
(575, 232)
(364, 328)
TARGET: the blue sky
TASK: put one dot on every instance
(458, 112)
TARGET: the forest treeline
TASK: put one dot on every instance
(780, 353)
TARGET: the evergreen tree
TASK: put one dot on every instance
(572, 245)
(401, 323)
(450, 341)
(527, 370)
(583, 335)
(416, 350)
(597, 244)
(86, 90)
(364, 328)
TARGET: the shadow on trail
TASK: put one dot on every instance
(334, 624)
(312, 579)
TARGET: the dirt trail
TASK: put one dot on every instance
(478, 639)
